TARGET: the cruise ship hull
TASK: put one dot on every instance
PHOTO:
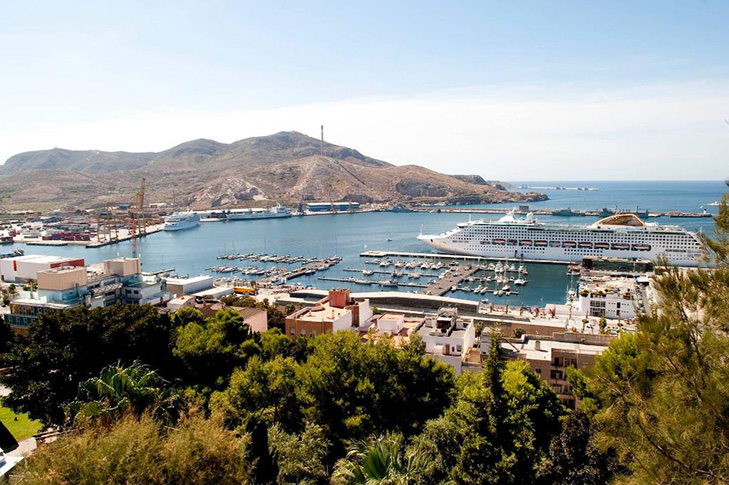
(527, 239)
(181, 221)
(550, 254)
(180, 226)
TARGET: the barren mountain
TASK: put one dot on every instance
(286, 167)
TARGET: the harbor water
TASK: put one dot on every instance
(193, 252)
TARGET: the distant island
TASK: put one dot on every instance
(287, 167)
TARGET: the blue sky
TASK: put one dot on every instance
(509, 90)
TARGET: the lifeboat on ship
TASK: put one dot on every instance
(641, 247)
(569, 244)
(620, 246)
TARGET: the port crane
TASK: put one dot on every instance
(137, 219)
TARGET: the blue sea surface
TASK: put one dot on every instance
(194, 251)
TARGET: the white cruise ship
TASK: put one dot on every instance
(246, 214)
(181, 220)
(620, 236)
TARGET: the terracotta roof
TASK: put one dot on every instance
(247, 312)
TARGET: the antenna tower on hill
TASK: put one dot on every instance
(322, 140)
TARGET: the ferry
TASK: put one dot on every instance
(247, 214)
(180, 221)
(622, 236)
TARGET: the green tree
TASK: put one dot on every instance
(299, 456)
(7, 338)
(380, 460)
(347, 388)
(574, 460)
(63, 348)
(141, 450)
(119, 390)
(212, 349)
(498, 430)
(269, 389)
(353, 390)
(662, 397)
(186, 315)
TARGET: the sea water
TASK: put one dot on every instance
(193, 252)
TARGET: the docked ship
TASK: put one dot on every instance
(180, 221)
(246, 214)
(623, 236)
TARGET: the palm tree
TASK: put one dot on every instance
(120, 389)
(381, 460)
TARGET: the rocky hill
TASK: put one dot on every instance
(285, 167)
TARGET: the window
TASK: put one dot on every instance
(293, 331)
(303, 332)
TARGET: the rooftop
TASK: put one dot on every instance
(180, 300)
(40, 258)
(322, 313)
(184, 281)
(528, 349)
(216, 291)
(63, 269)
(613, 286)
(247, 312)
(41, 302)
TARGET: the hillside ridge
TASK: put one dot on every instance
(285, 167)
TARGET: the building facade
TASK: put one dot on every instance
(550, 357)
(118, 281)
(338, 311)
(448, 337)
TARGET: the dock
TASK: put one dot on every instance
(444, 285)
(372, 282)
(461, 257)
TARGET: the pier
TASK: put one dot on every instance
(462, 257)
(372, 282)
(444, 285)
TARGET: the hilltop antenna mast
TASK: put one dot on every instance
(322, 140)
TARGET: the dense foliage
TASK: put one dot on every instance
(61, 349)
(141, 450)
(661, 397)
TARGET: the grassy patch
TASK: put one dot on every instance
(23, 428)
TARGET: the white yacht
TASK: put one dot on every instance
(618, 236)
(182, 220)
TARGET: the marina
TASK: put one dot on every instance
(275, 275)
(490, 278)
